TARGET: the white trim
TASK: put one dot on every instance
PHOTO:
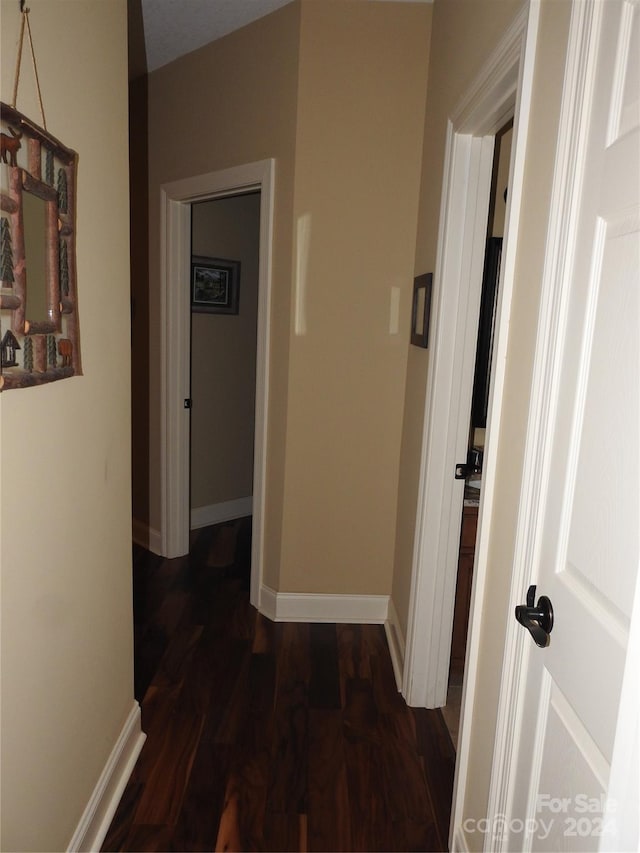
(315, 607)
(525, 32)
(489, 102)
(145, 536)
(99, 812)
(203, 516)
(268, 603)
(459, 283)
(267, 185)
(175, 200)
(396, 643)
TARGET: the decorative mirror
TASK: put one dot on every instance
(39, 328)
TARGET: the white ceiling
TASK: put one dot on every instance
(162, 30)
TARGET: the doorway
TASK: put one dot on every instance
(225, 249)
(176, 200)
(477, 423)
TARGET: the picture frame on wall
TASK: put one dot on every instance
(421, 311)
(215, 285)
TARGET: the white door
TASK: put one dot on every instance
(583, 498)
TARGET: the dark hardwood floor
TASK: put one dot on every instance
(264, 736)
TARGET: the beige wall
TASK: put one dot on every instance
(360, 112)
(335, 91)
(67, 651)
(229, 103)
(223, 357)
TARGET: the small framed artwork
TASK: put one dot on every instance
(420, 315)
(215, 285)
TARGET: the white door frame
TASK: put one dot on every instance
(457, 293)
(502, 87)
(175, 247)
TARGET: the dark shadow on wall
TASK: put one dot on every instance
(139, 234)
(137, 52)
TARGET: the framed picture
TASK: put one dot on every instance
(421, 312)
(215, 285)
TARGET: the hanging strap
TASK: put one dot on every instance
(25, 20)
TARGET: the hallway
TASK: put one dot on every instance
(269, 736)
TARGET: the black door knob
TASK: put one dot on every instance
(536, 618)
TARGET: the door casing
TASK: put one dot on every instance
(175, 237)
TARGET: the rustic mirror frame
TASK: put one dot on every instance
(50, 348)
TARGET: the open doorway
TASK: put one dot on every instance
(225, 248)
(176, 207)
(477, 425)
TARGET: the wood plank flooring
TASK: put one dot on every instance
(263, 736)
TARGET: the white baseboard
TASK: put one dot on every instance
(203, 516)
(97, 816)
(395, 640)
(314, 607)
(146, 536)
(268, 604)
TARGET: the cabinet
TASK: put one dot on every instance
(463, 588)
